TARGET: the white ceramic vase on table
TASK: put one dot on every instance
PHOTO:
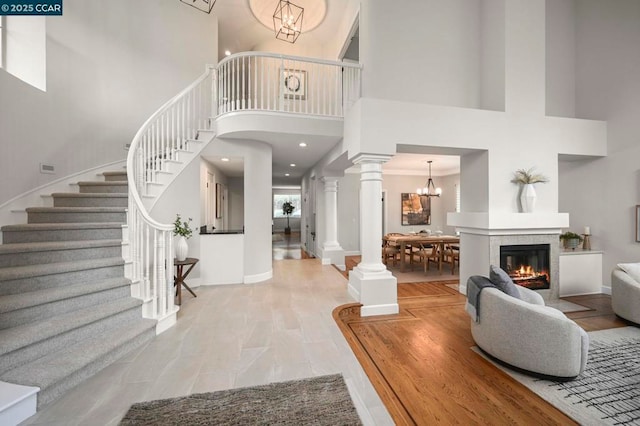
(528, 198)
(182, 248)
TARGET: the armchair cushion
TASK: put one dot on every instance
(625, 295)
(632, 269)
(503, 281)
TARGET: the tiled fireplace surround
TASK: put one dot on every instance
(482, 234)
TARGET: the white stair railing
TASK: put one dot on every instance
(270, 82)
(242, 82)
(158, 142)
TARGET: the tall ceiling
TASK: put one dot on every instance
(245, 25)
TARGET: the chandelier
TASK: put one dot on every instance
(429, 189)
(203, 5)
(287, 21)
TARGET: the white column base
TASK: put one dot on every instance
(333, 256)
(377, 291)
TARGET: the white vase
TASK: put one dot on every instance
(182, 248)
(528, 198)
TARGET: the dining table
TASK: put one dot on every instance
(402, 240)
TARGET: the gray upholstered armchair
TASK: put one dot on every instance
(625, 295)
(526, 334)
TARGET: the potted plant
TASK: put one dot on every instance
(183, 229)
(287, 209)
(570, 240)
(527, 178)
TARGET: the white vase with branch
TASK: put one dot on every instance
(183, 230)
(527, 179)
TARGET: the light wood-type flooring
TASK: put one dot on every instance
(422, 365)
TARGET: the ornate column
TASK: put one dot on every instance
(370, 282)
(332, 252)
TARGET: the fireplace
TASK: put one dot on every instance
(527, 264)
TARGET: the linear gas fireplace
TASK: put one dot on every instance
(527, 264)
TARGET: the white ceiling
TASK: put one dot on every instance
(240, 30)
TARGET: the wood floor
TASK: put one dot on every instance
(422, 365)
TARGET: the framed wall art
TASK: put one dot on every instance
(416, 209)
(295, 84)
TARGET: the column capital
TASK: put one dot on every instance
(371, 158)
(329, 179)
(330, 184)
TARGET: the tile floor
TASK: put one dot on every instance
(232, 336)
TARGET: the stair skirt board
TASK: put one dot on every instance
(66, 309)
(17, 403)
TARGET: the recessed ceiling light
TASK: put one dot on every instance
(292, 164)
(227, 52)
(302, 144)
(224, 159)
(287, 174)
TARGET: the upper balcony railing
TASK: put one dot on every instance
(261, 81)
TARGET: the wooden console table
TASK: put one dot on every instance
(178, 279)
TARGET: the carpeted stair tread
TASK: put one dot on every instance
(47, 371)
(21, 272)
(60, 226)
(24, 335)
(13, 302)
(76, 209)
(90, 194)
(103, 183)
(55, 245)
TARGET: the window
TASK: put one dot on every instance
(279, 199)
(458, 198)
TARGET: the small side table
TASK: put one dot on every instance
(178, 279)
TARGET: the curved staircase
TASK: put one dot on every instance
(66, 309)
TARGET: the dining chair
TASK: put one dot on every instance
(427, 253)
(452, 256)
(389, 251)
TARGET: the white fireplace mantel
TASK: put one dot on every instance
(506, 223)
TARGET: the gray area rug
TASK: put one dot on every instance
(320, 400)
(608, 391)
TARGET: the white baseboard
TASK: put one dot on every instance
(352, 253)
(371, 310)
(256, 278)
(606, 290)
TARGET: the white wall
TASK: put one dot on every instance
(25, 49)
(395, 185)
(109, 66)
(560, 47)
(421, 51)
(602, 193)
(236, 203)
(492, 54)
(182, 197)
(349, 212)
